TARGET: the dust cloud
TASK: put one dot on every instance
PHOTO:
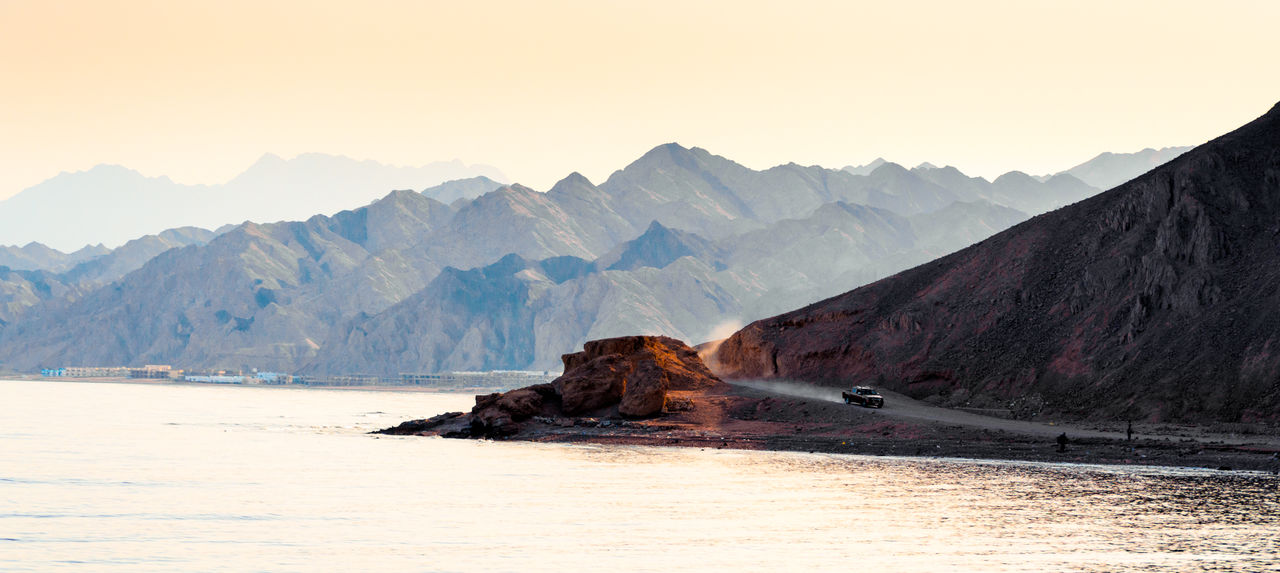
(719, 333)
(796, 389)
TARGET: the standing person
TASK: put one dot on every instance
(1129, 432)
(1062, 442)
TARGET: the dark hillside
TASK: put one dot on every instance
(1159, 299)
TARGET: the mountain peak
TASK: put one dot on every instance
(657, 247)
(866, 169)
(888, 168)
(571, 182)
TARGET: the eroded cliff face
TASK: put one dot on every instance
(1158, 299)
(625, 377)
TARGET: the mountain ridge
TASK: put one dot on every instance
(104, 204)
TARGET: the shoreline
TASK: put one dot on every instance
(158, 382)
(749, 418)
(1082, 452)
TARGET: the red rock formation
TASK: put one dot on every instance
(1158, 299)
(627, 376)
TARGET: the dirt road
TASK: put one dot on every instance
(900, 406)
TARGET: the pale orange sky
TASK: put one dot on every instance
(199, 90)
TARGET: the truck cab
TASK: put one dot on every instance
(864, 396)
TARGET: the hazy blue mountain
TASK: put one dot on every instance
(261, 294)
(461, 189)
(1108, 169)
(693, 189)
(679, 242)
(110, 204)
(518, 313)
(20, 291)
(132, 255)
(38, 257)
(517, 219)
(865, 169)
(658, 247)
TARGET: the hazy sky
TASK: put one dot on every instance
(199, 90)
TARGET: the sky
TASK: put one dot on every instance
(199, 90)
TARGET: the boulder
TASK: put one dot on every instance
(592, 385)
(498, 412)
(646, 389)
(414, 427)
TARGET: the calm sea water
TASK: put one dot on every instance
(117, 477)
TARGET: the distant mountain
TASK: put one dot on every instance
(693, 189)
(38, 257)
(20, 291)
(658, 247)
(132, 255)
(865, 169)
(679, 242)
(457, 190)
(1014, 189)
(257, 294)
(55, 286)
(519, 313)
(1110, 169)
(110, 204)
(1155, 300)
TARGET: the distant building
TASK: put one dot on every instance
(216, 379)
(274, 377)
(155, 372)
(490, 379)
(95, 372)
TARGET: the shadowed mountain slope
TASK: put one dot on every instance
(1156, 300)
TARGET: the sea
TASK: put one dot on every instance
(160, 477)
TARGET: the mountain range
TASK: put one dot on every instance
(1156, 300)
(109, 205)
(680, 242)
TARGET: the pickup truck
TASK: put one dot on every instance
(864, 396)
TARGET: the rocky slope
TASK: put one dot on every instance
(1155, 300)
(20, 291)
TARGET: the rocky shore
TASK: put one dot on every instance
(656, 391)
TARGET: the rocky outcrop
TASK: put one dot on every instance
(1154, 300)
(627, 377)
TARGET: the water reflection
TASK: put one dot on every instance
(115, 477)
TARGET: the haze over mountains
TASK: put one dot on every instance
(679, 242)
(109, 204)
(1157, 300)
